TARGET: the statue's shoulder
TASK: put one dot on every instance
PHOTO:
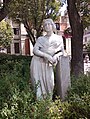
(39, 39)
(58, 36)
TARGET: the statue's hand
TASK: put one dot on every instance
(55, 58)
(49, 58)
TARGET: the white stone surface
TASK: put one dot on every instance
(63, 76)
(47, 51)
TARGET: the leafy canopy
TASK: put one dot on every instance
(83, 7)
(32, 12)
(6, 34)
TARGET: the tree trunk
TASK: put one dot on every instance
(77, 67)
(30, 34)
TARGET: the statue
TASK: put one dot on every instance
(47, 50)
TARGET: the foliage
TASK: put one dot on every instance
(84, 10)
(79, 97)
(16, 95)
(78, 107)
(6, 34)
(80, 86)
(32, 12)
(17, 99)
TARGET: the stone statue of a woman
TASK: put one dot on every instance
(47, 50)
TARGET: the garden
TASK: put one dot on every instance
(17, 99)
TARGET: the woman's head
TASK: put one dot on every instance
(47, 23)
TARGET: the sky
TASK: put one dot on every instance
(63, 7)
(63, 2)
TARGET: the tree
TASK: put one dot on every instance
(84, 11)
(76, 15)
(32, 12)
(4, 9)
(6, 34)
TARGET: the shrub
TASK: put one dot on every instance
(79, 86)
(6, 33)
(16, 94)
(17, 99)
(79, 98)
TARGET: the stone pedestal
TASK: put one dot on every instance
(63, 76)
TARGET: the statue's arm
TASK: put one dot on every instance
(41, 54)
(37, 52)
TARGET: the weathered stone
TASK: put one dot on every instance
(63, 76)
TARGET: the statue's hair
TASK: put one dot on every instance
(52, 23)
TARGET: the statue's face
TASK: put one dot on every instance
(48, 26)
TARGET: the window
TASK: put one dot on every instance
(16, 31)
(57, 26)
(16, 47)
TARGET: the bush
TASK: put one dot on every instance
(79, 86)
(79, 98)
(16, 94)
(6, 33)
(17, 99)
(18, 104)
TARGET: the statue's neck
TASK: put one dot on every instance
(49, 33)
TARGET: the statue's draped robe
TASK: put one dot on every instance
(42, 75)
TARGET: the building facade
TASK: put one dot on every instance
(20, 44)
